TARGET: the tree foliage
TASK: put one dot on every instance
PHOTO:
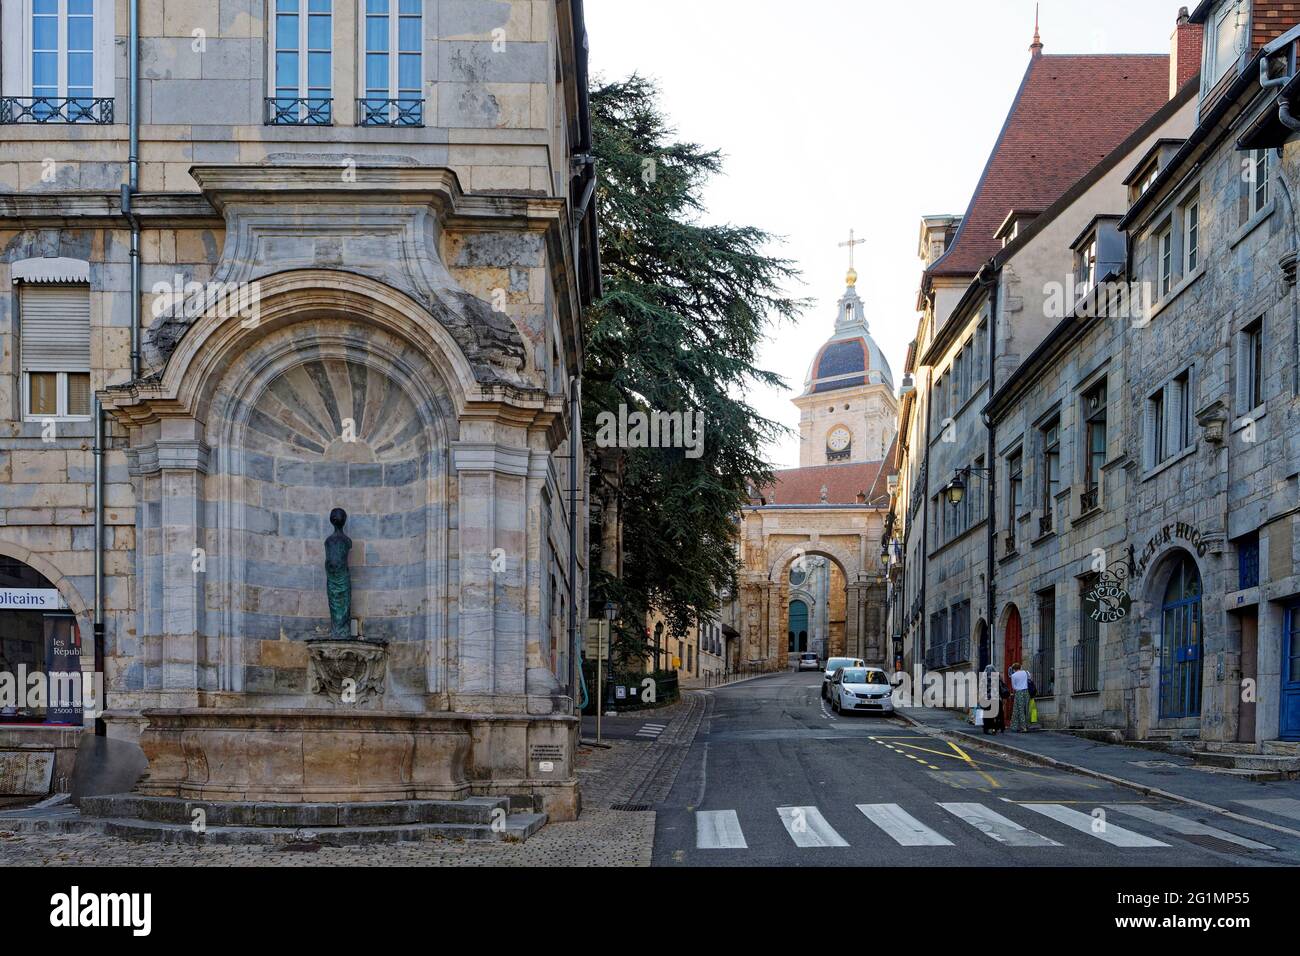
(686, 305)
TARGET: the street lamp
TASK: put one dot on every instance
(956, 490)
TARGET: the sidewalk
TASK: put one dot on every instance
(1275, 804)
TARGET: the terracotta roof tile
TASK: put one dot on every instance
(803, 486)
(1070, 112)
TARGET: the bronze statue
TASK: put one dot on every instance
(338, 580)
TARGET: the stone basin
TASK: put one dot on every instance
(305, 755)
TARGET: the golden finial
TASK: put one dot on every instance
(852, 277)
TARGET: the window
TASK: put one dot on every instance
(1250, 375)
(1015, 493)
(1165, 252)
(1259, 181)
(55, 351)
(58, 61)
(1044, 669)
(978, 505)
(1191, 236)
(1224, 44)
(1087, 653)
(302, 73)
(1051, 470)
(959, 379)
(1086, 267)
(394, 79)
(981, 351)
(1167, 421)
(1248, 561)
(1094, 410)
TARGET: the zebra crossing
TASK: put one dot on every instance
(807, 826)
(651, 731)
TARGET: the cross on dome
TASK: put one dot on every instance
(853, 241)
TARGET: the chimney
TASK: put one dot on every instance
(1185, 52)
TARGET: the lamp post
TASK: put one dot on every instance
(611, 612)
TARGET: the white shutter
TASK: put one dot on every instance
(1243, 373)
(1149, 434)
(55, 328)
(1175, 428)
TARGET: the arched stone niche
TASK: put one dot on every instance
(331, 414)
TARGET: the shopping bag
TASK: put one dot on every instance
(979, 717)
(1033, 711)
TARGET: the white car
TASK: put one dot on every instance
(861, 689)
(834, 664)
(808, 662)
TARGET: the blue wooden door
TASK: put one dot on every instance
(1289, 724)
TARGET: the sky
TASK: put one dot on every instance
(848, 114)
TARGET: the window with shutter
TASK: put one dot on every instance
(54, 350)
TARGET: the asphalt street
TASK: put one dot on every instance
(775, 779)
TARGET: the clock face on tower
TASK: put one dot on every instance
(838, 442)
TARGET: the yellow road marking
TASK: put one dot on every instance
(974, 766)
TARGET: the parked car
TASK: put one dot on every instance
(861, 689)
(834, 664)
(809, 662)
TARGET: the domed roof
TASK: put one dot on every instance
(851, 357)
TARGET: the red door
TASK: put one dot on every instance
(1012, 639)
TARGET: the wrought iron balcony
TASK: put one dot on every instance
(1045, 523)
(56, 109)
(1089, 499)
(376, 111)
(1009, 540)
(299, 111)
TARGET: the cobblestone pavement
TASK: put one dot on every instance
(625, 772)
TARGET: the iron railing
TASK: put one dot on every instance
(1088, 499)
(299, 111)
(1087, 665)
(376, 111)
(1045, 523)
(56, 109)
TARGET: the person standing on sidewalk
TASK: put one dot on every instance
(1020, 703)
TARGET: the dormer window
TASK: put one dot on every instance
(1086, 264)
(1225, 35)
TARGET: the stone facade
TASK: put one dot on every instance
(389, 323)
(1145, 465)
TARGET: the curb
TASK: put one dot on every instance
(1043, 760)
(732, 683)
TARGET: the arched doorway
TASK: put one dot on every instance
(1011, 639)
(798, 626)
(1181, 641)
(38, 636)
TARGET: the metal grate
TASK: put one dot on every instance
(1218, 844)
(632, 807)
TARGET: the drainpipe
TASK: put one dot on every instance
(133, 177)
(575, 432)
(989, 277)
(98, 411)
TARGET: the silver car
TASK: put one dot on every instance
(809, 662)
(834, 664)
(861, 690)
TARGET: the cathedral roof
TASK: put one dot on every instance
(851, 357)
(1070, 112)
(843, 482)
